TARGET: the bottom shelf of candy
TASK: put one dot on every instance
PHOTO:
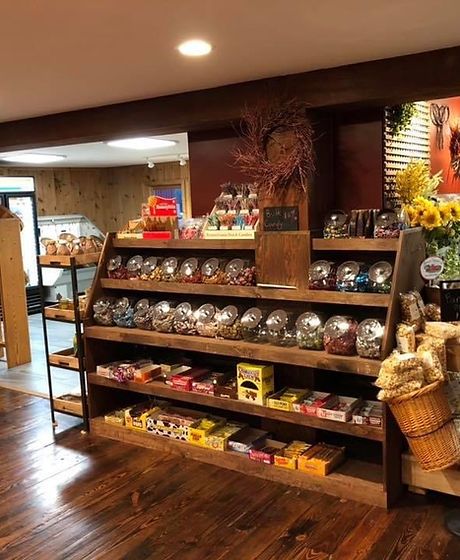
(236, 446)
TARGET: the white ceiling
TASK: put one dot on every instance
(57, 56)
(99, 154)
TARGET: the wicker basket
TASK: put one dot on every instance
(438, 450)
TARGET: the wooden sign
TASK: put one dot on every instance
(450, 300)
(281, 218)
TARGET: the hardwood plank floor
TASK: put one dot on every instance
(70, 496)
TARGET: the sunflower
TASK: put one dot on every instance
(454, 209)
(445, 213)
(431, 218)
(422, 201)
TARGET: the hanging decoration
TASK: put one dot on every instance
(439, 115)
(399, 117)
(278, 146)
(454, 149)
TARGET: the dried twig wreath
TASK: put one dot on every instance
(278, 146)
(454, 149)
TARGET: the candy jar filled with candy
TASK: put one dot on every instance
(322, 275)
(213, 271)
(190, 271)
(170, 269)
(240, 272)
(123, 313)
(229, 323)
(163, 316)
(143, 313)
(151, 269)
(253, 327)
(387, 225)
(380, 277)
(191, 228)
(340, 335)
(103, 311)
(352, 276)
(184, 321)
(310, 331)
(116, 269)
(335, 225)
(369, 338)
(134, 266)
(281, 328)
(206, 320)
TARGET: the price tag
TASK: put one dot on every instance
(431, 268)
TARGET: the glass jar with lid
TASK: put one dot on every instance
(123, 313)
(143, 313)
(322, 275)
(229, 323)
(206, 320)
(116, 269)
(335, 225)
(281, 328)
(340, 335)
(310, 331)
(387, 225)
(163, 316)
(240, 272)
(380, 277)
(369, 338)
(103, 311)
(134, 266)
(170, 269)
(151, 269)
(184, 321)
(190, 271)
(352, 276)
(253, 328)
(213, 271)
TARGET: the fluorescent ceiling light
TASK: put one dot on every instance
(195, 47)
(141, 143)
(32, 158)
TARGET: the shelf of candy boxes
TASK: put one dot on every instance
(215, 433)
(339, 334)
(237, 272)
(251, 383)
(371, 223)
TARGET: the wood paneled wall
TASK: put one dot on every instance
(109, 197)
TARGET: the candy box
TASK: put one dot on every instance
(341, 411)
(284, 399)
(369, 412)
(106, 370)
(321, 459)
(247, 439)
(173, 422)
(169, 366)
(218, 440)
(167, 376)
(254, 382)
(287, 457)
(146, 372)
(136, 416)
(313, 402)
(266, 453)
(117, 417)
(207, 385)
(227, 391)
(198, 431)
(183, 381)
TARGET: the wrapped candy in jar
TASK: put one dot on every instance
(369, 338)
(340, 335)
(206, 320)
(115, 268)
(103, 311)
(170, 270)
(184, 321)
(352, 277)
(228, 323)
(212, 271)
(322, 275)
(143, 313)
(335, 225)
(134, 266)
(310, 331)
(151, 269)
(191, 228)
(240, 272)
(281, 328)
(190, 271)
(380, 277)
(253, 327)
(163, 316)
(387, 225)
(123, 313)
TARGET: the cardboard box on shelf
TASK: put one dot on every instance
(116, 417)
(207, 385)
(218, 440)
(173, 422)
(198, 431)
(266, 453)
(284, 399)
(314, 401)
(254, 382)
(227, 391)
(321, 459)
(247, 439)
(287, 457)
(136, 416)
(183, 381)
(341, 411)
(369, 412)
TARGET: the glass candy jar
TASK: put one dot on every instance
(134, 266)
(240, 272)
(190, 271)
(335, 225)
(170, 270)
(322, 275)
(380, 277)
(143, 313)
(352, 276)
(206, 320)
(103, 311)
(340, 335)
(116, 269)
(184, 321)
(281, 328)
(151, 269)
(213, 271)
(386, 225)
(163, 316)
(229, 323)
(310, 331)
(369, 338)
(253, 327)
(123, 313)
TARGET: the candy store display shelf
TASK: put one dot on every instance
(187, 244)
(356, 244)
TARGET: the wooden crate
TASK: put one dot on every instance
(54, 312)
(64, 358)
(66, 260)
(68, 403)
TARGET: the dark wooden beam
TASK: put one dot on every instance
(412, 77)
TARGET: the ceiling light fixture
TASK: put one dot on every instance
(150, 163)
(32, 158)
(182, 161)
(141, 143)
(195, 47)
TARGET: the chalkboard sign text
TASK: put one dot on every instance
(281, 218)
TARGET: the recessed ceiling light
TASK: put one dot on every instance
(141, 143)
(195, 47)
(33, 158)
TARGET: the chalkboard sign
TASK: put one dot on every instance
(281, 218)
(450, 300)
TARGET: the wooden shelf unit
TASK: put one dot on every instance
(186, 244)
(105, 394)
